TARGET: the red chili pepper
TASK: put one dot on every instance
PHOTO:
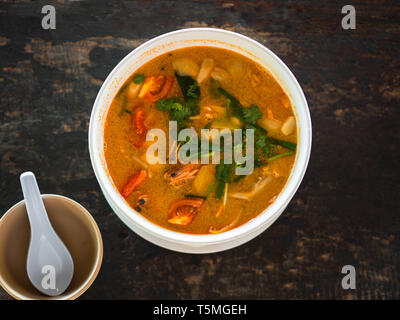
(133, 182)
(138, 123)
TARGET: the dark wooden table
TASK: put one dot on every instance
(346, 210)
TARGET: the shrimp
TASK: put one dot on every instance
(181, 176)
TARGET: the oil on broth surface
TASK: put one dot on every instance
(246, 81)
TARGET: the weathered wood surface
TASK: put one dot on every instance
(346, 210)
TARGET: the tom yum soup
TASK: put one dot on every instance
(200, 140)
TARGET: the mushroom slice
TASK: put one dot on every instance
(288, 126)
(186, 67)
(259, 185)
(219, 74)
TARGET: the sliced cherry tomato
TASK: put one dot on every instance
(133, 182)
(156, 87)
(183, 211)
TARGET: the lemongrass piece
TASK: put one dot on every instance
(272, 200)
(206, 67)
(133, 90)
(288, 126)
(143, 164)
(226, 228)
(223, 205)
(255, 190)
(173, 150)
(140, 162)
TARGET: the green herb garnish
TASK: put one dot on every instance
(220, 190)
(265, 146)
(194, 196)
(252, 114)
(189, 87)
(223, 174)
(123, 106)
(177, 110)
(214, 86)
(190, 91)
(181, 110)
(211, 187)
(228, 108)
(247, 117)
(282, 143)
(281, 155)
(193, 91)
(138, 78)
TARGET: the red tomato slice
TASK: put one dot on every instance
(156, 87)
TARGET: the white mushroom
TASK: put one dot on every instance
(220, 111)
(288, 126)
(235, 121)
(219, 74)
(186, 67)
(271, 125)
(257, 187)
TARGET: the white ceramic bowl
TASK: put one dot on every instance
(180, 39)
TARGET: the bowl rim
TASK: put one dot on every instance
(271, 213)
(96, 267)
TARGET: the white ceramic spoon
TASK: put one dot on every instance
(49, 264)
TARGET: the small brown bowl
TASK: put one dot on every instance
(76, 228)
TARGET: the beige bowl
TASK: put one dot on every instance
(76, 228)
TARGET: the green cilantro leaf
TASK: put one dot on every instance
(252, 114)
(138, 78)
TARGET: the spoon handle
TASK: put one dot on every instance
(34, 204)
